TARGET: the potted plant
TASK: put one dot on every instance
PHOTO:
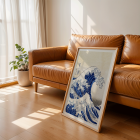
(21, 63)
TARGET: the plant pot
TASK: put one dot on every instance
(23, 78)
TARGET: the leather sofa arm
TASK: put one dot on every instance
(45, 55)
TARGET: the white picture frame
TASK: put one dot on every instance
(88, 88)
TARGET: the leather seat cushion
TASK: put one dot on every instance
(126, 80)
(131, 50)
(56, 71)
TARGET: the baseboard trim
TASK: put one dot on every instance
(9, 84)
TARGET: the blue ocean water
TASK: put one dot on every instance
(80, 102)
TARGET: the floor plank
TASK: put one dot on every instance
(134, 122)
(28, 136)
(112, 134)
(1, 138)
(26, 115)
(17, 138)
(127, 129)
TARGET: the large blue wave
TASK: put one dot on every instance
(80, 91)
(90, 79)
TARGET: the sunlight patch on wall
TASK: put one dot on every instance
(76, 17)
(90, 26)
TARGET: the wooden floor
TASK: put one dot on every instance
(26, 115)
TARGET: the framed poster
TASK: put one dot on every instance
(89, 84)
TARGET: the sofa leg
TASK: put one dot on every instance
(36, 87)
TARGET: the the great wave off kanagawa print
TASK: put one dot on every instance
(80, 101)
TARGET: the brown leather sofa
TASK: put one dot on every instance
(52, 66)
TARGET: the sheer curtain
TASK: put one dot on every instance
(21, 22)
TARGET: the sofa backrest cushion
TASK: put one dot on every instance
(131, 50)
(94, 41)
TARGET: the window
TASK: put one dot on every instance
(20, 23)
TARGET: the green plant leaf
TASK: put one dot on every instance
(24, 52)
(21, 59)
(11, 68)
(18, 63)
(22, 49)
(25, 61)
(25, 55)
(12, 62)
(15, 67)
(17, 57)
(16, 45)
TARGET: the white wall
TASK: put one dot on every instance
(91, 17)
(59, 22)
(120, 17)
